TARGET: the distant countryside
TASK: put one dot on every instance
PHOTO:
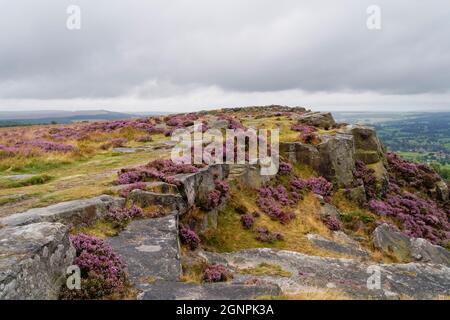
(420, 137)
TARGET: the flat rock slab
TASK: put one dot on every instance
(164, 290)
(348, 248)
(33, 260)
(415, 280)
(150, 248)
(76, 212)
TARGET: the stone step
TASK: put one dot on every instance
(165, 290)
(150, 249)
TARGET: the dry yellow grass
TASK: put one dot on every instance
(318, 294)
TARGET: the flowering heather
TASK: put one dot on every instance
(47, 146)
(247, 220)
(332, 223)
(285, 168)
(144, 124)
(270, 200)
(410, 174)
(6, 151)
(182, 120)
(124, 192)
(189, 237)
(366, 177)
(155, 170)
(102, 271)
(66, 133)
(216, 273)
(420, 218)
(307, 133)
(123, 215)
(264, 235)
(216, 196)
(321, 187)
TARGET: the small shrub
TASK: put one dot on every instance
(189, 237)
(247, 220)
(216, 273)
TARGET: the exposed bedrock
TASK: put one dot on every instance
(76, 212)
(304, 273)
(333, 158)
(34, 260)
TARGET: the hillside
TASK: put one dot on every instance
(340, 213)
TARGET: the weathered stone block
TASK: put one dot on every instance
(33, 260)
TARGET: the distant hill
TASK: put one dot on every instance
(17, 118)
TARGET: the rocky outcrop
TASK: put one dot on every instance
(388, 239)
(151, 250)
(195, 187)
(333, 158)
(351, 277)
(77, 212)
(164, 290)
(317, 119)
(442, 192)
(248, 175)
(167, 203)
(368, 147)
(33, 260)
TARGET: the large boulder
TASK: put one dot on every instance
(341, 243)
(333, 158)
(34, 260)
(337, 160)
(389, 240)
(442, 192)
(167, 203)
(76, 212)
(368, 147)
(195, 187)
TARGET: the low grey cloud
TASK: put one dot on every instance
(161, 51)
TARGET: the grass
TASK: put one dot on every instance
(34, 180)
(266, 269)
(101, 229)
(231, 236)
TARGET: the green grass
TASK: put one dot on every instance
(266, 269)
(35, 180)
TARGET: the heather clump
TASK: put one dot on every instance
(366, 177)
(271, 199)
(124, 192)
(123, 215)
(102, 270)
(217, 196)
(247, 220)
(189, 237)
(264, 235)
(332, 223)
(47, 146)
(216, 273)
(181, 120)
(156, 170)
(317, 185)
(308, 134)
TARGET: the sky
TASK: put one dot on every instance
(187, 55)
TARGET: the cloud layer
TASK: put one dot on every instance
(179, 54)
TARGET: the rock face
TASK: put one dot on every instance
(33, 260)
(150, 248)
(333, 158)
(195, 187)
(404, 248)
(442, 192)
(77, 212)
(351, 277)
(368, 147)
(218, 291)
(248, 175)
(166, 202)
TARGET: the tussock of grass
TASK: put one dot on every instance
(101, 229)
(35, 180)
(266, 269)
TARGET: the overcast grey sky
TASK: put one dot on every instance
(181, 55)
